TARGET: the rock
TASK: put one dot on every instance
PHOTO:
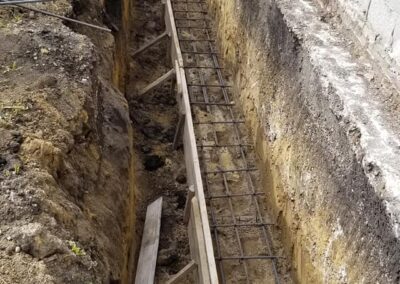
(17, 137)
(3, 162)
(17, 249)
(153, 162)
(181, 199)
(10, 250)
(14, 146)
(181, 179)
(47, 82)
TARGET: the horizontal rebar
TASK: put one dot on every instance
(190, 11)
(188, 2)
(193, 28)
(194, 40)
(248, 257)
(235, 195)
(241, 225)
(230, 171)
(209, 85)
(64, 18)
(202, 67)
(15, 2)
(200, 52)
(220, 122)
(212, 104)
(225, 146)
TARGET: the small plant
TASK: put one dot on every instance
(17, 169)
(2, 24)
(12, 67)
(17, 17)
(75, 249)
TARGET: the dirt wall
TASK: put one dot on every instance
(293, 75)
(66, 171)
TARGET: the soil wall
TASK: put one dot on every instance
(66, 149)
(311, 100)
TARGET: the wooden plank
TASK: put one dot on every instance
(188, 204)
(190, 148)
(149, 248)
(176, 53)
(179, 131)
(158, 82)
(183, 273)
(150, 43)
(178, 80)
(194, 176)
(198, 246)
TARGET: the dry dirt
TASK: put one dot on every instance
(65, 153)
(161, 170)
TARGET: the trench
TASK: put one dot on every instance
(161, 170)
(261, 158)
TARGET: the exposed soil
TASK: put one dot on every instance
(65, 153)
(161, 170)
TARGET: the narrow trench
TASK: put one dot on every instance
(161, 171)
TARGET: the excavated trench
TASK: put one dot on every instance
(308, 150)
(282, 166)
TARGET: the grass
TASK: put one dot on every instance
(75, 249)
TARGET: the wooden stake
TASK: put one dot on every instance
(188, 207)
(179, 131)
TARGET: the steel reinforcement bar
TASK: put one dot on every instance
(200, 239)
(229, 191)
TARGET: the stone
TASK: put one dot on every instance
(3, 162)
(181, 179)
(153, 162)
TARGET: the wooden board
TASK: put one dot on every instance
(150, 43)
(177, 278)
(188, 204)
(194, 177)
(190, 147)
(197, 244)
(148, 251)
(179, 131)
(158, 82)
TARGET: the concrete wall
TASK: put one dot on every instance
(376, 23)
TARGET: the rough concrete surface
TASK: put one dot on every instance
(375, 23)
(325, 126)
